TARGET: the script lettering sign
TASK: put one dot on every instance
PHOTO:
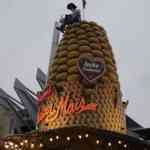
(64, 107)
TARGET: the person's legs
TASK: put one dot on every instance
(68, 19)
(76, 19)
(61, 28)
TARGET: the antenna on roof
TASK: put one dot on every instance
(83, 8)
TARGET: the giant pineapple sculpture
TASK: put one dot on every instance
(81, 102)
(84, 42)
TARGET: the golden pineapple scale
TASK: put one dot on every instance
(89, 40)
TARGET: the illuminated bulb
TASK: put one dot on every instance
(26, 141)
(41, 145)
(109, 144)
(21, 143)
(79, 136)
(57, 137)
(11, 143)
(97, 141)
(86, 135)
(51, 139)
(6, 146)
(125, 145)
(119, 142)
(68, 138)
(32, 146)
(16, 146)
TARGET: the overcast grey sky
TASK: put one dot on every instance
(25, 40)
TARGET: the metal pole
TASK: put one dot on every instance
(83, 13)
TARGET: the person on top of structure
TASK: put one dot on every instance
(75, 16)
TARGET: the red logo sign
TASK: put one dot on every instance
(64, 107)
(47, 92)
